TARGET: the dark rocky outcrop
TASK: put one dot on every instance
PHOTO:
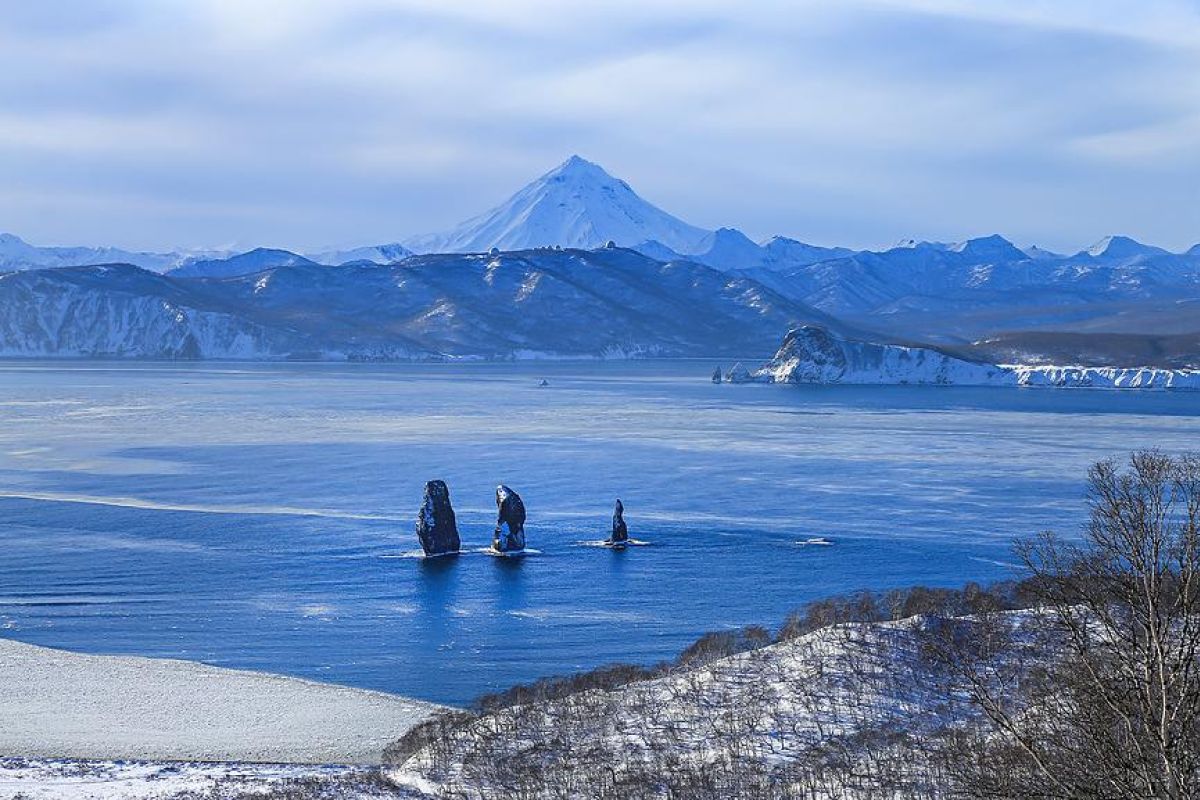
(738, 374)
(716, 376)
(510, 521)
(620, 531)
(436, 527)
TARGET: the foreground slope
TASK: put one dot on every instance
(832, 713)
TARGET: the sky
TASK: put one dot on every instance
(157, 124)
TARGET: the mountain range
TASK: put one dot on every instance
(609, 302)
(561, 236)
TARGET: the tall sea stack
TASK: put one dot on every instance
(510, 521)
(436, 527)
(620, 531)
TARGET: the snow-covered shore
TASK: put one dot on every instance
(811, 354)
(57, 704)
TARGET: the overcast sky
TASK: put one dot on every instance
(304, 123)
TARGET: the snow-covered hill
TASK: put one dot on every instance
(241, 264)
(811, 354)
(850, 711)
(534, 303)
(577, 204)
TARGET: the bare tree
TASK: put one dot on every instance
(1097, 694)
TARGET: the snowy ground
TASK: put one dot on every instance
(55, 779)
(56, 704)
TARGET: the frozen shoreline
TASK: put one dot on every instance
(59, 704)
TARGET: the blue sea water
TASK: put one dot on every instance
(261, 516)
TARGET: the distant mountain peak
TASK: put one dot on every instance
(578, 165)
(1122, 247)
(991, 248)
(577, 204)
(992, 239)
(917, 244)
(250, 262)
(1040, 254)
(388, 253)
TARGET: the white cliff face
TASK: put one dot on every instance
(811, 354)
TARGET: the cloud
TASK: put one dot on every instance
(304, 123)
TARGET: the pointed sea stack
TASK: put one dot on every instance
(510, 521)
(620, 531)
(716, 376)
(436, 527)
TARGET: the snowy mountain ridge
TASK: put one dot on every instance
(17, 254)
(983, 286)
(606, 303)
(949, 293)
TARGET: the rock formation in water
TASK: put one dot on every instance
(436, 527)
(510, 521)
(620, 531)
(716, 376)
(739, 374)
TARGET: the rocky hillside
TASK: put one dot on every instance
(545, 302)
(844, 711)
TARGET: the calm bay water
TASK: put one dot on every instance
(261, 516)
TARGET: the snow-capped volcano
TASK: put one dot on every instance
(577, 204)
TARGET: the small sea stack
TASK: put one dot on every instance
(620, 531)
(436, 526)
(738, 374)
(716, 376)
(510, 521)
